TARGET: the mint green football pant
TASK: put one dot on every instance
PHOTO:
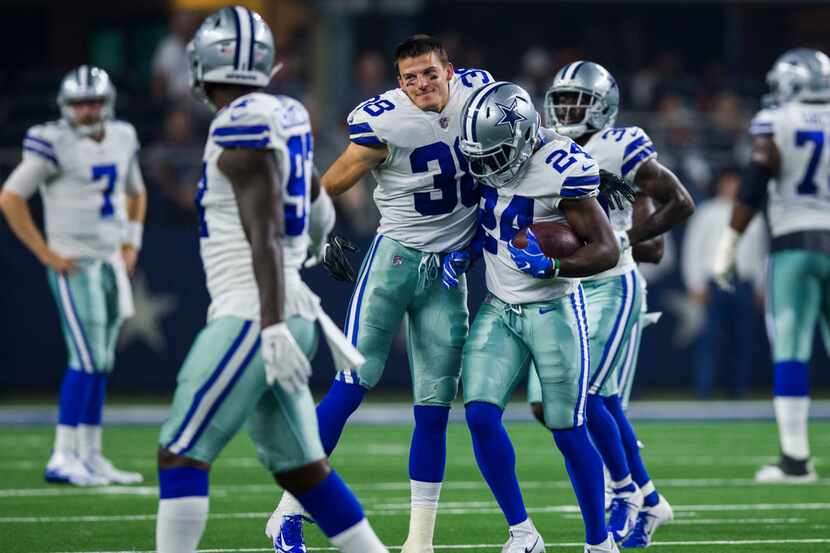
(222, 386)
(395, 284)
(798, 298)
(87, 300)
(505, 339)
(614, 306)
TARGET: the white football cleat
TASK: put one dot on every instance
(608, 546)
(787, 471)
(649, 519)
(524, 540)
(67, 468)
(103, 467)
(624, 510)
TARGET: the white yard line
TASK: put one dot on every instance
(457, 508)
(377, 486)
(808, 541)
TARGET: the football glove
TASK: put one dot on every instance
(724, 266)
(335, 260)
(614, 190)
(455, 264)
(532, 260)
(285, 362)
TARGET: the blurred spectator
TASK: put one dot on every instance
(537, 73)
(372, 76)
(173, 168)
(679, 143)
(171, 68)
(731, 323)
(727, 134)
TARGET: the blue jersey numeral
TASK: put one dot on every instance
(619, 133)
(375, 106)
(446, 181)
(517, 215)
(807, 186)
(299, 153)
(109, 172)
(200, 207)
(473, 78)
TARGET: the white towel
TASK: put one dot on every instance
(126, 308)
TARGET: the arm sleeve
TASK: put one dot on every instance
(364, 129)
(244, 126)
(763, 124)
(29, 175)
(581, 179)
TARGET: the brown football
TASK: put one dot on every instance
(557, 239)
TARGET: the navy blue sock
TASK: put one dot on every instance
(332, 505)
(632, 449)
(428, 451)
(332, 413)
(74, 391)
(496, 458)
(585, 469)
(606, 437)
(792, 378)
(94, 408)
(182, 482)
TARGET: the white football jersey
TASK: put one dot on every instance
(621, 151)
(83, 186)
(799, 196)
(425, 196)
(560, 169)
(258, 121)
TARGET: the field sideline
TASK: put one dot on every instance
(704, 468)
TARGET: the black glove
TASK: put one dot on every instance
(614, 190)
(335, 260)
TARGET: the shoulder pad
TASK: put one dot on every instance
(246, 123)
(763, 123)
(40, 141)
(376, 120)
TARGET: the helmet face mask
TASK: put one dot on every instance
(86, 85)
(232, 46)
(583, 98)
(500, 131)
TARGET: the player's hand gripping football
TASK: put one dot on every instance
(335, 260)
(285, 362)
(614, 190)
(455, 264)
(532, 260)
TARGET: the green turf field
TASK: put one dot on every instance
(704, 469)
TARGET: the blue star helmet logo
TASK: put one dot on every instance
(509, 115)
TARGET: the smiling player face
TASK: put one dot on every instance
(426, 81)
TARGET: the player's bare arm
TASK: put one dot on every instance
(254, 176)
(589, 222)
(17, 213)
(352, 165)
(763, 165)
(651, 250)
(136, 209)
(675, 205)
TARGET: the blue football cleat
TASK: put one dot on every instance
(290, 537)
(623, 516)
(648, 520)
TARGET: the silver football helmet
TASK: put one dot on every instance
(84, 84)
(499, 129)
(232, 46)
(584, 97)
(799, 74)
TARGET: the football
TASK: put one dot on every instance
(557, 239)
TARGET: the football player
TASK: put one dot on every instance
(536, 308)
(582, 103)
(86, 168)
(407, 138)
(250, 365)
(789, 171)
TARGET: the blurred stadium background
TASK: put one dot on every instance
(691, 73)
